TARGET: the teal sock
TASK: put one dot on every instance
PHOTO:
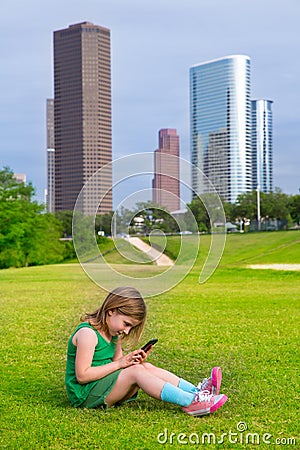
(187, 386)
(173, 394)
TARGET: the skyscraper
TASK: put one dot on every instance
(166, 188)
(82, 114)
(220, 121)
(262, 144)
(50, 199)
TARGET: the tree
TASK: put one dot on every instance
(27, 236)
(65, 218)
(294, 208)
(246, 206)
(229, 211)
(44, 247)
(201, 215)
(103, 222)
(274, 205)
(11, 189)
(154, 217)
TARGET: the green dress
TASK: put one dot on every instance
(91, 394)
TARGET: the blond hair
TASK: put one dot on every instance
(126, 301)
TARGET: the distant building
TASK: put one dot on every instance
(50, 192)
(262, 144)
(220, 121)
(20, 177)
(82, 115)
(217, 160)
(166, 188)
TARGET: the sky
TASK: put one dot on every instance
(154, 43)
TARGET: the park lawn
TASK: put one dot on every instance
(242, 249)
(246, 321)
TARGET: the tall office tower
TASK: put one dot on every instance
(166, 188)
(220, 121)
(50, 203)
(82, 115)
(262, 144)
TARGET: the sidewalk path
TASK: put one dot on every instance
(275, 266)
(159, 258)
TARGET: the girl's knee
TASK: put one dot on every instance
(138, 369)
(147, 365)
(134, 370)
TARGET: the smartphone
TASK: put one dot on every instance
(147, 346)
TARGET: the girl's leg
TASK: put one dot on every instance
(163, 374)
(129, 394)
(151, 380)
(212, 384)
(144, 376)
(171, 378)
(132, 378)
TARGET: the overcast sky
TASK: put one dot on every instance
(154, 43)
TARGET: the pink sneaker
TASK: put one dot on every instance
(204, 403)
(213, 383)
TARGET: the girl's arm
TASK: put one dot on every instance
(86, 340)
(118, 353)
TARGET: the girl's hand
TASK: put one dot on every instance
(143, 354)
(131, 359)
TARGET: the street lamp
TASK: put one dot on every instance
(258, 206)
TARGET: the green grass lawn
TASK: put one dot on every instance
(246, 321)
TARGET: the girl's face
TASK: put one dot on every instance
(119, 324)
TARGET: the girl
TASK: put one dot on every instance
(98, 374)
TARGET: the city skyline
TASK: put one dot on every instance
(150, 73)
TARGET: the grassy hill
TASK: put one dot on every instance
(242, 249)
(246, 321)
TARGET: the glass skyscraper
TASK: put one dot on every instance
(220, 120)
(262, 144)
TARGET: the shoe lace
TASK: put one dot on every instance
(203, 396)
(206, 384)
(203, 385)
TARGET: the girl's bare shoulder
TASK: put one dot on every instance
(85, 334)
